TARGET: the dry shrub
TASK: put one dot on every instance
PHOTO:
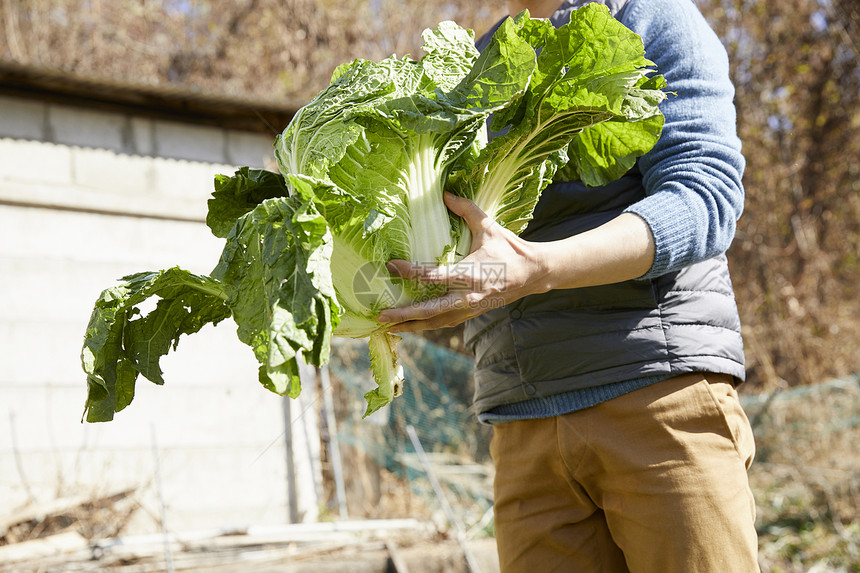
(795, 259)
(267, 49)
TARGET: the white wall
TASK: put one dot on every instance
(85, 198)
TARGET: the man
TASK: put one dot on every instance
(608, 354)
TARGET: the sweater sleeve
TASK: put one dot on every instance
(692, 177)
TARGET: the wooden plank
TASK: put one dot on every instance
(396, 558)
(51, 546)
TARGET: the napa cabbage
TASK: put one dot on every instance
(362, 169)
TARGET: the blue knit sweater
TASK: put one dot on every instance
(693, 174)
(692, 177)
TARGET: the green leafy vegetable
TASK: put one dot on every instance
(590, 88)
(237, 195)
(120, 344)
(275, 272)
(362, 170)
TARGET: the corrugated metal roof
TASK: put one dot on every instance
(177, 103)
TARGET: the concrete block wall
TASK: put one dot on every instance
(87, 197)
(128, 134)
(81, 159)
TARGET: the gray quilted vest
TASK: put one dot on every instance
(566, 340)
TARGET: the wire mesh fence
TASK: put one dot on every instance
(436, 404)
(806, 477)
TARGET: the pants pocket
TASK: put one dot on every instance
(737, 424)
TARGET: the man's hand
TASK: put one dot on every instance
(500, 269)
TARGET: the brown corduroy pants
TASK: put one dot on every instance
(651, 482)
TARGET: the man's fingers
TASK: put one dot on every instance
(439, 321)
(466, 208)
(400, 268)
(460, 275)
(425, 309)
(416, 272)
